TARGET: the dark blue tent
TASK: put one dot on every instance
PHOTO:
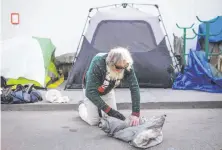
(200, 74)
(141, 33)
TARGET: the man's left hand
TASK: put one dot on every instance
(134, 120)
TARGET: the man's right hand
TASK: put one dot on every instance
(116, 114)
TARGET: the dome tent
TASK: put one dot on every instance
(128, 27)
(27, 60)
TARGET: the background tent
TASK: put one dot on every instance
(131, 28)
(29, 60)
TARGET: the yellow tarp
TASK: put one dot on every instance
(24, 81)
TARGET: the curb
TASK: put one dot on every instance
(121, 106)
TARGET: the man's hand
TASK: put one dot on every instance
(134, 120)
(116, 114)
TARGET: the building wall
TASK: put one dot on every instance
(63, 21)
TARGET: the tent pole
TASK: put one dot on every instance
(106, 6)
(142, 4)
(122, 4)
(75, 55)
(88, 16)
(171, 49)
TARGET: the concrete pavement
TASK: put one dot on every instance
(184, 129)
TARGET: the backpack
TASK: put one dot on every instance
(6, 97)
(22, 94)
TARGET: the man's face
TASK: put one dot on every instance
(119, 66)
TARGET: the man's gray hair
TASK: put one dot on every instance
(119, 54)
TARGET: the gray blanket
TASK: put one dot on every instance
(147, 134)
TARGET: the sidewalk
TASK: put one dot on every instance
(150, 99)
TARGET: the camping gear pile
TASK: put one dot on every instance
(19, 95)
(178, 50)
(147, 134)
(127, 27)
(64, 63)
(215, 41)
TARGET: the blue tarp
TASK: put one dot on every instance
(199, 75)
(215, 28)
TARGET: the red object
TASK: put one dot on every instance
(101, 89)
(15, 18)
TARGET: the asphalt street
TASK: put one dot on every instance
(188, 129)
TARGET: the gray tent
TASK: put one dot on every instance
(131, 28)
